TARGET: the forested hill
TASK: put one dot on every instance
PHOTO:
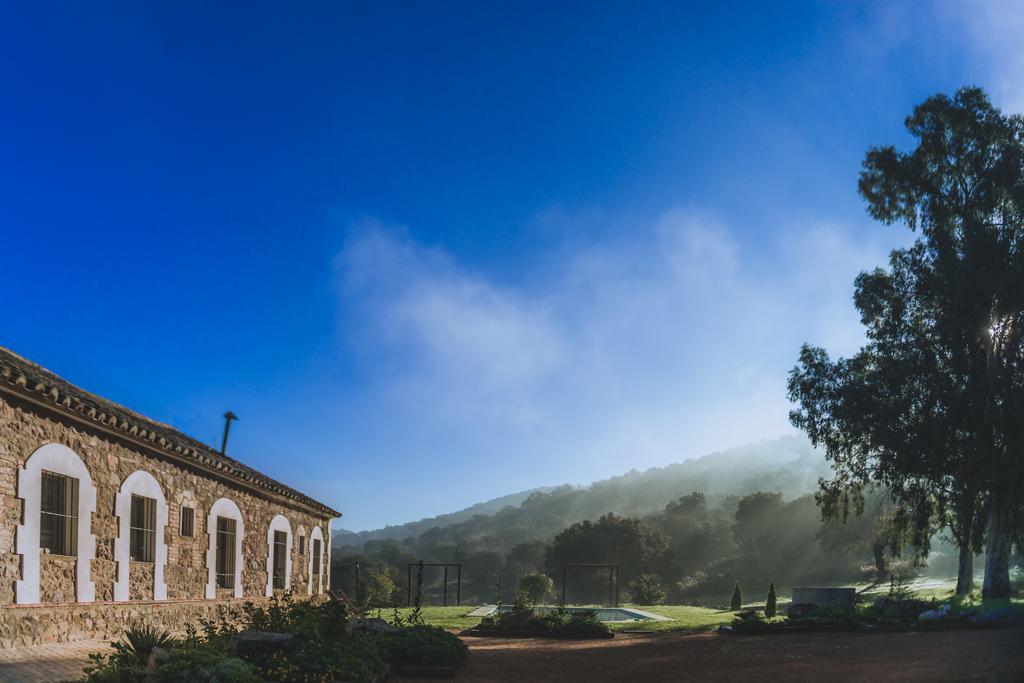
(788, 465)
(401, 531)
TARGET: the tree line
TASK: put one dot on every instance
(693, 550)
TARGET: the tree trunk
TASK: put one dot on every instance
(997, 547)
(965, 575)
(878, 548)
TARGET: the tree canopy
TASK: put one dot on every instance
(930, 407)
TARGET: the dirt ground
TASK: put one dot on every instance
(994, 655)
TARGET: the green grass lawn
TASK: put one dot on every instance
(684, 618)
(452, 618)
(690, 618)
(942, 590)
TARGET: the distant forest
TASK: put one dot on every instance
(690, 530)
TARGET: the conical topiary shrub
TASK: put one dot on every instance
(769, 605)
(737, 598)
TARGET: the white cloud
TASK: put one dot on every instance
(993, 30)
(669, 340)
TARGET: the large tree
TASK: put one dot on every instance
(629, 542)
(931, 406)
(893, 416)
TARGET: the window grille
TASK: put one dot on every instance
(225, 552)
(280, 556)
(142, 535)
(188, 521)
(58, 514)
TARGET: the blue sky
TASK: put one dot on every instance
(432, 253)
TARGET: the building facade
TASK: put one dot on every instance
(108, 518)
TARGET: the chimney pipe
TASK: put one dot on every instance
(228, 417)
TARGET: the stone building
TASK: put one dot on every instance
(109, 518)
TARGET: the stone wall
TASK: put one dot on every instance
(56, 578)
(140, 581)
(23, 431)
(62, 623)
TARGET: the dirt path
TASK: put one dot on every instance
(47, 663)
(996, 655)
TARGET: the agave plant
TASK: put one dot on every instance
(138, 642)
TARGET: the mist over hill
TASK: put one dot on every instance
(788, 465)
(402, 531)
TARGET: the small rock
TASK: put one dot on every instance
(157, 655)
(248, 642)
(1002, 615)
(374, 625)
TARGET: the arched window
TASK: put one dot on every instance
(142, 516)
(63, 527)
(316, 561)
(279, 555)
(224, 556)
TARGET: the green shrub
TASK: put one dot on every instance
(304, 618)
(770, 603)
(556, 623)
(736, 602)
(647, 589)
(357, 658)
(424, 645)
(535, 587)
(829, 614)
(106, 669)
(130, 656)
(139, 641)
(583, 625)
(322, 650)
(750, 621)
(899, 588)
(378, 589)
(204, 664)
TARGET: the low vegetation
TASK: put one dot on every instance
(321, 643)
(535, 587)
(647, 589)
(694, 550)
(736, 601)
(555, 623)
(683, 618)
(771, 603)
(900, 607)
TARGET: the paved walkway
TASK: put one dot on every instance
(48, 663)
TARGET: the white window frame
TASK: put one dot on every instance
(224, 507)
(58, 459)
(279, 523)
(326, 574)
(139, 483)
(315, 533)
